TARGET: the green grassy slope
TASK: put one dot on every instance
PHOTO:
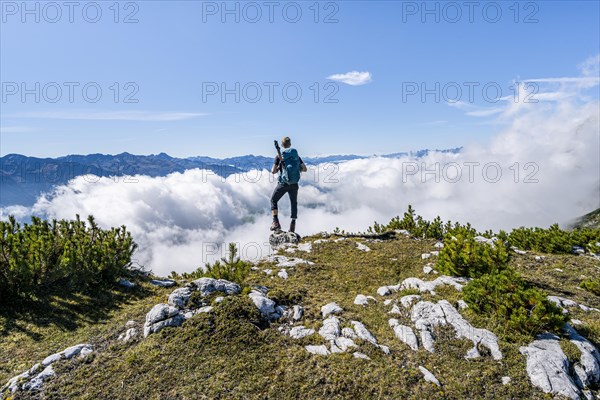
(232, 354)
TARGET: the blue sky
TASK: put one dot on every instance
(177, 50)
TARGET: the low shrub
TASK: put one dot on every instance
(591, 285)
(38, 257)
(231, 268)
(506, 295)
(462, 255)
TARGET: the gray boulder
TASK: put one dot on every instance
(548, 366)
(162, 316)
(163, 282)
(280, 239)
(180, 297)
(268, 309)
(207, 286)
(405, 334)
(331, 308)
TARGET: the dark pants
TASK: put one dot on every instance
(280, 190)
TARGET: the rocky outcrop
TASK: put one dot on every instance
(268, 309)
(426, 315)
(424, 286)
(34, 378)
(162, 316)
(331, 308)
(405, 334)
(280, 239)
(564, 303)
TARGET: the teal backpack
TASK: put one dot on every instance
(291, 173)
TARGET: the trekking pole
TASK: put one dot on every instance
(282, 163)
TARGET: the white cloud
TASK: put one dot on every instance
(353, 78)
(591, 66)
(110, 115)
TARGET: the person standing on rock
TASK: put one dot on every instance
(289, 165)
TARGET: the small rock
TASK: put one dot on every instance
(505, 380)
(362, 247)
(162, 316)
(405, 334)
(462, 304)
(435, 253)
(439, 245)
(180, 297)
(126, 283)
(267, 307)
(363, 300)
(407, 301)
(268, 271)
(395, 310)
(425, 256)
(349, 333)
(344, 343)
(298, 313)
(282, 274)
(298, 332)
(130, 323)
(361, 355)
(331, 308)
(219, 299)
(427, 269)
(37, 382)
(558, 269)
(163, 282)
(330, 329)
(363, 333)
(428, 376)
(280, 238)
(539, 258)
(387, 302)
(318, 350)
(129, 334)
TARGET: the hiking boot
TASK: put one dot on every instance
(275, 226)
(293, 226)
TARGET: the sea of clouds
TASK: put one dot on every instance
(542, 167)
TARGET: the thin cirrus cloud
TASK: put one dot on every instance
(353, 78)
(111, 115)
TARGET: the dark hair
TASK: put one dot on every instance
(286, 141)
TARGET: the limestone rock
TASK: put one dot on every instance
(180, 297)
(331, 308)
(428, 376)
(330, 329)
(128, 335)
(162, 316)
(429, 286)
(207, 286)
(363, 300)
(268, 308)
(362, 247)
(548, 366)
(298, 332)
(405, 334)
(427, 315)
(407, 301)
(318, 350)
(163, 282)
(282, 274)
(280, 238)
(349, 333)
(363, 333)
(357, 354)
(37, 382)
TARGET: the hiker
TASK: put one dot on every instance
(287, 181)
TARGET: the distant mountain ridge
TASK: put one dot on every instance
(24, 178)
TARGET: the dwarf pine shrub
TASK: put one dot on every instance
(591, 285)
(506, 295)
(462, 255)
(230, 268)
(71, 254)
(554, 239)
